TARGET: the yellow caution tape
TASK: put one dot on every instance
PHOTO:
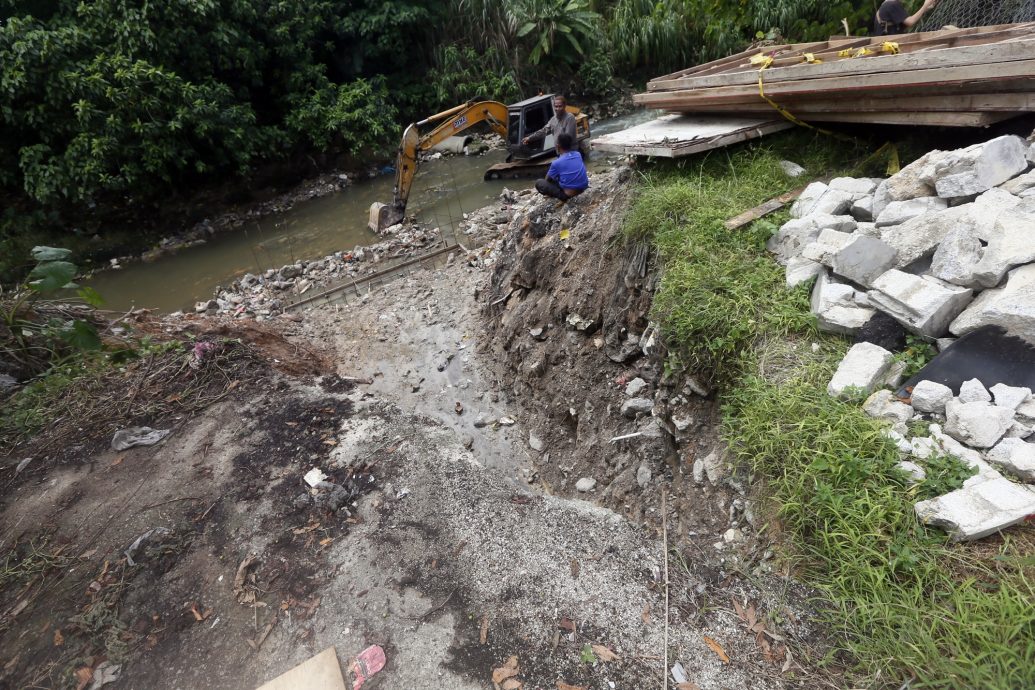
(787, 114)
(846, 53)
(889, 47)
(565, 234)
(811, 59)
(762, 60)
(863, 52)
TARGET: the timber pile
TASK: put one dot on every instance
(953, 77)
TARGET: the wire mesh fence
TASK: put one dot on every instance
(969, 13)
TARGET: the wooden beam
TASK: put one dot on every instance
(765, 208)
(991, 102)
(927, 119)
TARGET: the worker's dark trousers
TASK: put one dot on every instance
(550, 188)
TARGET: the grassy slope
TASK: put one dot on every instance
(906, 602)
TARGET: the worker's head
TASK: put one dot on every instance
(559, 104)
(564, 142)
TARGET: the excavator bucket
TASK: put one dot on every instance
(383, 216)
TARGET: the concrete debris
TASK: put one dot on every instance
(922, 304)
(898, 212)
(1012, 307)
(1011, 397)
(919, 237)
(979, 510)
(977, 168)
(536, 443)
(883, 404)
(635, 387)
(977, 424)
(857, 187)
(862, 209)
(916, 473)
(930, 397)
(714, 467)
(801, 270)
(912, 181)
(837, 307)
(1019, 184)
(826, 246)
(636, 406)
(862, 259)
(972, 458)
(794, 235)
(974, 391)
(585, 485)
(125, 439)
(901, 442)
(1015, 456)
(791, 169)
(820, 198)
(923, 447)
(862, 370)
(1025, 413)
(956, 256)
(579, 323)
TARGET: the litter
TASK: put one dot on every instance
(146, 536)
(125, 439)
(314, 476)
(366, 664)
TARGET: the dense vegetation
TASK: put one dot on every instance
(905, 607)
(114, 104)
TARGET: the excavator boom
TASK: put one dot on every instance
(453, 121)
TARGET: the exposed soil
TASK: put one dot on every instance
(450, 531)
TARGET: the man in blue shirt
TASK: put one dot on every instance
(567, 174)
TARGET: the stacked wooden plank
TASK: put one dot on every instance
(954, 77)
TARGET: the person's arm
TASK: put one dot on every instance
(911, 21)
(553, 174)
(541, 134)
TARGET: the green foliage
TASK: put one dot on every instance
(560, 29)
(917, 354)
(945, 473)
(587, 656)
(462, 74)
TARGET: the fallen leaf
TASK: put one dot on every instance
(787, 664)
(739, 609)
(197, 614)
(84, 675)
(561, 685)
(59, 639)
(645, 615)
(326, 541)
(574, 568)
(507, 670)
(688, 686)
(566, 624)
(604, 653)
(717, 648)
(484, 635)
(512, 684)
(118, 461)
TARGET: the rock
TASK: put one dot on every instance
(1010, 397)
(825, 246)
(862, 259)
(978, 168)
(1010, 243)
(1025, 413)
(791, 169)
(862, 369)
(579, 323)
(733, 536)
(924, 305)
(980, 510)
(970, 457)
(643, 476)
(836, 307)
(944, 343)
(699, 471)
(585, 484)
(289, 272)
(929, 396)
(916, 473)
(538, 333)
(882, 404)
(977, 424)
(974, 391)
(923, 447)
(956, 256)
(881, 198)
(898, 212)
(1018, 430)
(862, 209)
(636, 406)
(1019, 184)
(202, 307)
(794, 235)
(801, 270)
(1015, 456)
(901, 442)
(1011, 307)
(919, 237)
(714, 467)
(819, 198)
(912, 181)
(635, 387)
(536, 443)
(857, 187)
(868, 229)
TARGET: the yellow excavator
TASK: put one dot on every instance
(513, 123)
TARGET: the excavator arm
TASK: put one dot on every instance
(452, 122)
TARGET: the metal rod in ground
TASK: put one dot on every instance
(664, 538)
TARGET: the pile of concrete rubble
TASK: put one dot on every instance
(944, 247)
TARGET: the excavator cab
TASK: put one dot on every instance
(524, 118)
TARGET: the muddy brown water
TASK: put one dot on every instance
(443, 191)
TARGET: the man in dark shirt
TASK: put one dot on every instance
(562, 122)
(892, 17)
(567, 175)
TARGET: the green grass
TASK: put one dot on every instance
(903, 603)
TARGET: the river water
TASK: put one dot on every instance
(443, 191)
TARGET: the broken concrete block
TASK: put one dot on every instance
(862, 259)
(1010, 243)
(930, 396)
(857, 187)
(868, 229)
(882, 404)
(923, 447)
(862, 209)
(896, 374)
(826, 245)
(1018, 430)
(882, 197)
(980, 510)
(972, 458)
(900, 441)
(1025, 413)
(922, 304)
(912, 181)
(919, 237)
(1010, 397)
(915, 472)
(956, 256)
(944, 344)
(835, 307)
(635, 387)
(794, 235)
(978, 168)
(801, 270)
(1016, 457)
(1019, 184)
(636, 406)
(977, 424)
(1030, 155)
(974, 391)
(1012, 307)
(898, 212)
(820, 198)
(861, 370)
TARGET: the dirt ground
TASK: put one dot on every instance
(453, 535)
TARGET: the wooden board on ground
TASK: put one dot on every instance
(674, 136)
(766, 207)
(321, 672)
